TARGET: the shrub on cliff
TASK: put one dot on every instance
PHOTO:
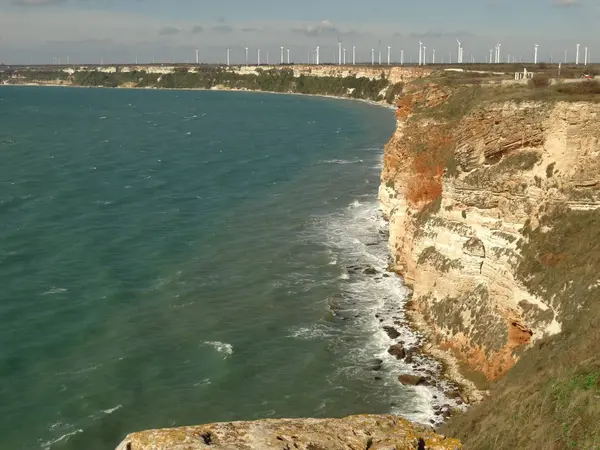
(539, 81)
(393, 91)
(590, 87)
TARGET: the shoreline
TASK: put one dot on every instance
(381, 104)
(450, 371)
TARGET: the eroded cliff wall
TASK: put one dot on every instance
(476, 188)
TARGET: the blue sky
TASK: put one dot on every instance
(121, 30)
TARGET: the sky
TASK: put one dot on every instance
(121, 31)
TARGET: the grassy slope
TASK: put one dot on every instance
(551, 398)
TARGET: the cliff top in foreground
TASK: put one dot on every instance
(372, 432)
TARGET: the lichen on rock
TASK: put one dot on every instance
(372, 432)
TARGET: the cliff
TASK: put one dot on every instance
(492, 195)
(351, 433)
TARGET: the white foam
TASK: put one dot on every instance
(204, 382)
(340, 161)
(112, 410)
(222, 347)
(309, 333)
(366, 303)
(54, 291)
(64, 437)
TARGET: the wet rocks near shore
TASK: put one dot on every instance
(391, 332)
(397, 350)
(412, 380)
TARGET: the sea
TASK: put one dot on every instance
(173, 258)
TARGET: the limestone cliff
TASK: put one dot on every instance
(351, 433)
(469, 176)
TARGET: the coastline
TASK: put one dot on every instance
(448, 371)
(381, 104)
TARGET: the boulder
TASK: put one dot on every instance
(391, 332)
(412, 380)
(397, 350)
(370, 271)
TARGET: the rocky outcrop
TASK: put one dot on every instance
(351, 433)
(466, 179)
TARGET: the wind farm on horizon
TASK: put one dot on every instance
(417, 54)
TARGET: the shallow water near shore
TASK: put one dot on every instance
(171, 258)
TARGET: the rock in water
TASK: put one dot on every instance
(391, 332)
(370, 271)
(365, 431)
(375, 364)
(397, 350)
(412, 380)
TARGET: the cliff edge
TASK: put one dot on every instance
(351, 433)
(492, 193)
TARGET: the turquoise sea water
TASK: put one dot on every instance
(172, 258)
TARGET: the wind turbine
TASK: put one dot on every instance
(585, 61)
(197, 57)
(281, 60)
(227, 56)
(258, 56)
(535, 54)
(459, 52)
(401, 57)
(354, 55)
(317, 55)
(344, 56)
(420, 53)
(339, 52)
(372, 56)
(433, 59)
(424, 55)
(246, 56)
(577, 55)
(288, 56)
(389, 55)
(498, 47)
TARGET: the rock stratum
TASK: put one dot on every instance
(351, 433)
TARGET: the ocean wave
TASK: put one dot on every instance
(112, 410)
(221, 347)
(54, 291)
(64, 437)
(340, 161)
(309, 333)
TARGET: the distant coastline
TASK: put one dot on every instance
(382, 103)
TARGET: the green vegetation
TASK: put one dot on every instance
(273, 80)
(393, 92)
(37, 75)
(549, 399)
